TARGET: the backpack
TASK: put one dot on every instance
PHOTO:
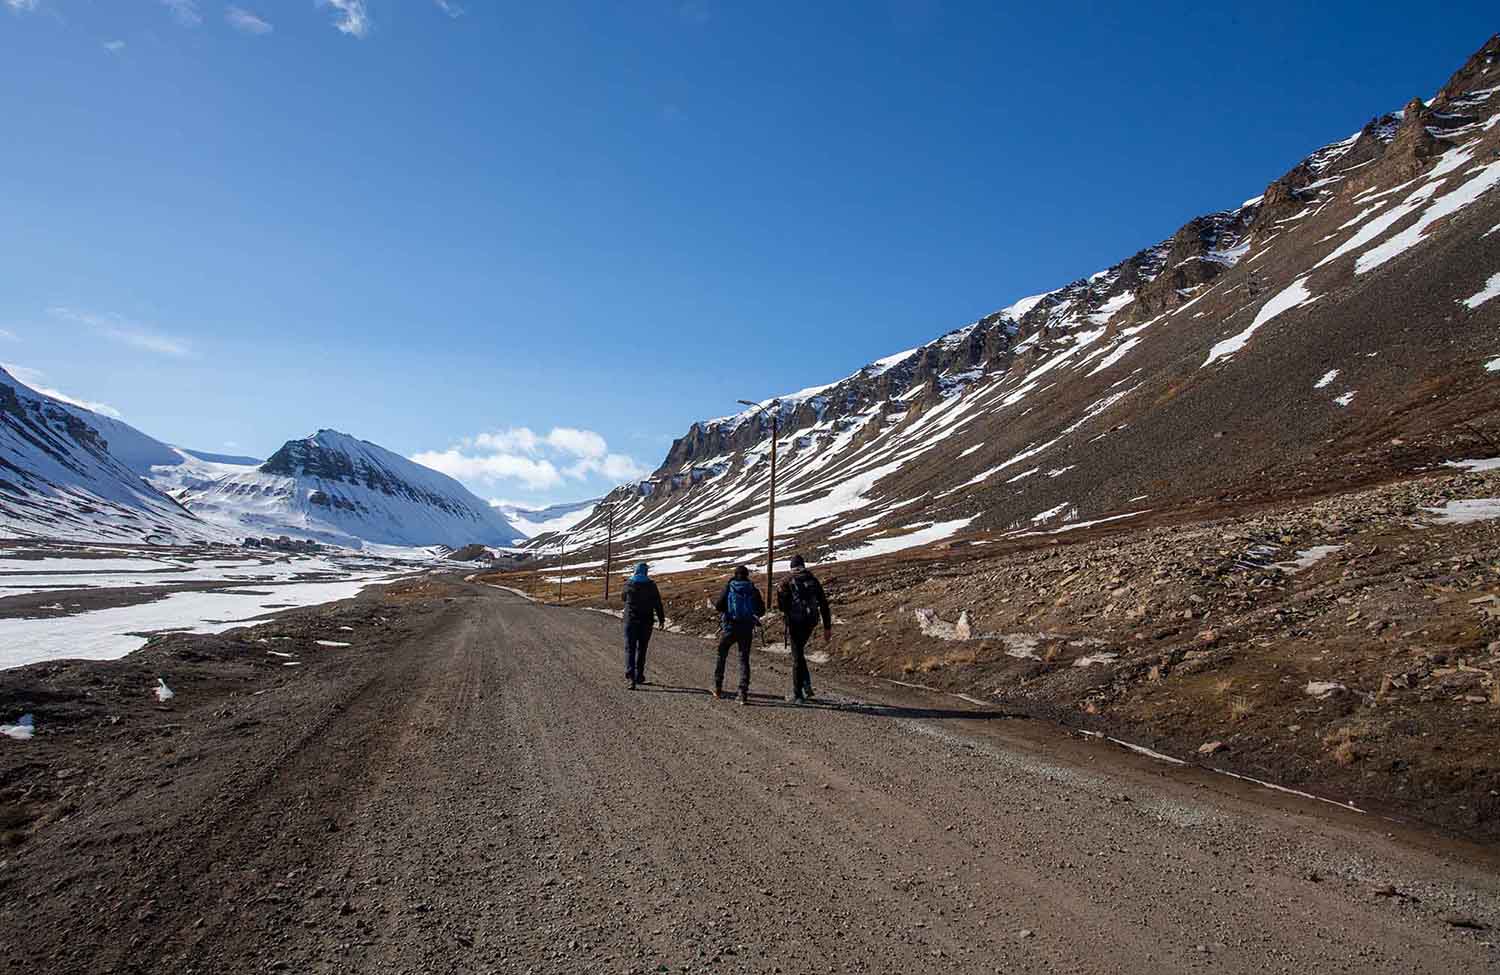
(802, 601)
(740, 607)
(639, 601)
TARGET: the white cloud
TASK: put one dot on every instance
(27, 376)
(21, 6)
(506, 441)
(125, 331)
(8, 335)
(492, 468)
(246, 22)
(184, 11)
(451, 8)
(353, 19)
(537, 461)
(580, 443)
(114, 47)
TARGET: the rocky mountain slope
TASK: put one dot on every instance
(335, 488)
(1338, 328)
(67, 472)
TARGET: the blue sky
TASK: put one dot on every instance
(533, 242)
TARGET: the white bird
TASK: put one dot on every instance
(163, 692)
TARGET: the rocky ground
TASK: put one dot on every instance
(1364, 670)
(469, 787)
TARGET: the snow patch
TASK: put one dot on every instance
(22, 730)
(1466, 512)
(1307, 558)
(1476, 466)
(1328, 377)
(1487, 178)
(1490, 290)
(1293, 296)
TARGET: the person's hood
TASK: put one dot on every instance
(640, 574)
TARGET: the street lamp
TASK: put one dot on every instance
(769, 409)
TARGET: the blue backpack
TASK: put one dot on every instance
(741, 602)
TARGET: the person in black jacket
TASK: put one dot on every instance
(740, 606)
(801, 599)
(642, 605)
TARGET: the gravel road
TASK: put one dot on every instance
(489, 797)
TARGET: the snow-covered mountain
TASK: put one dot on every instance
(67, 472)
(539, 521)
(1341, 326)
(334, 488)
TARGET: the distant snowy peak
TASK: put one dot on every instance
(535, 522)
(345, 491)
(332, 458)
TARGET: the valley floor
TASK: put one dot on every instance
(454, 779)
(1346, 645)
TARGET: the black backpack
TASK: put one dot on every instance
(802, 600)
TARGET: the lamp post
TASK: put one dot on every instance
(769, 409)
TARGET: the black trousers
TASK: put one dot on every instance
(744, 635)
(637, 638)
(796, 638)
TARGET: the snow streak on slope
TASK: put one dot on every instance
(1490, 290)
(1294, 295)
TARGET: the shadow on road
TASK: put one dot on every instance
(650, 688)
(897, 711)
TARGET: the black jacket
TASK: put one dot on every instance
(722, 605)
(643, 602)
(810, 582)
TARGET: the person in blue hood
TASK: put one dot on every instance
(741, 606)
(643, 605)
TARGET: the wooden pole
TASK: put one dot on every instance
(771, 519)
(609, 551)
(562, 556)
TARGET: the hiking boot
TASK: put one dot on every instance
(794, 699)
(632, 684)
(718, 694)
(744, 697)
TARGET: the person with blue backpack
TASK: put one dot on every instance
(643, 606)
(740, 607)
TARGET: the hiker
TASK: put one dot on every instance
(642, 605)
(801, 599)
(741, 607)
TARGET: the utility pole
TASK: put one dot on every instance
(769, 410)
(562, 555)
(609, 551)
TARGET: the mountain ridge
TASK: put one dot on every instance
(1165, 377)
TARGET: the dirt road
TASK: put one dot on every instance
(488, 797)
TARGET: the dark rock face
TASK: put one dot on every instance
(310, 458)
